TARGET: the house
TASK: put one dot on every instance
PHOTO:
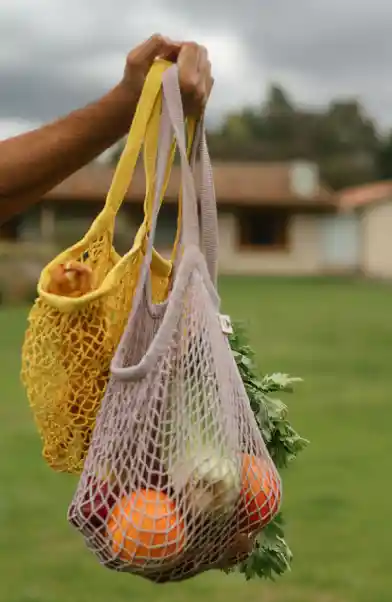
(274, 218)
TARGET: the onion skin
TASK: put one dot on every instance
(211, 483)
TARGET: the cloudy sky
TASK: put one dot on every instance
(56, 55)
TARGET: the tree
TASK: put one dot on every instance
(341, 139)
(384, 158)
(277, 102)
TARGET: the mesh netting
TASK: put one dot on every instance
(66, 358)
(76, 323)
(177, 467)
(177, 470)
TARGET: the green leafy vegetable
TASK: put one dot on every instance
(271, 556)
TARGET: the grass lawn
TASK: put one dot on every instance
(337, 335)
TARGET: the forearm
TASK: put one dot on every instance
(33, 163)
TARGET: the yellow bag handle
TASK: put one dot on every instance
(145, 129)
(145, 123)
(127, 163)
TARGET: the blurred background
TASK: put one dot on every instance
(300, 132)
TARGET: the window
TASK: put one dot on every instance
(264, 228)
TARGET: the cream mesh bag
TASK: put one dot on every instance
(177, 468)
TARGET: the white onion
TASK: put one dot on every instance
(211, 481)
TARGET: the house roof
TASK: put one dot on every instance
(258, 184)
(362, 196)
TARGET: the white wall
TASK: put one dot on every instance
(377, 240)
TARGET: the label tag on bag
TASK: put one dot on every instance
(225, 323)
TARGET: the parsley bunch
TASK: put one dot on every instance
(271, 555)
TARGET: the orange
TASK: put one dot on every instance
(146, 525)
(261, 492)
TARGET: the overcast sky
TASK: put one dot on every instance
(56, 55)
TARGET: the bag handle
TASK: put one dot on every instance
(103, 224)
(209, 222)
(127, 163)
(192, 136)
(209, 213)
(196, 141)
(151, 149)
(120, 368)
(209, 233)
(209, 218)
(147, 107)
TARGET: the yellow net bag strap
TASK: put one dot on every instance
(145, 130)
(146, 108)
(149, 106)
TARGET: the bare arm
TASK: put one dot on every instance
(31, 164)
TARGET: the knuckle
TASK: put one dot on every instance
(200, 90)
(132, 60)
(190, 82)
(192, 45)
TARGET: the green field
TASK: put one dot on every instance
(337, 335)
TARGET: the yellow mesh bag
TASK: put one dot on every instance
(70, 341)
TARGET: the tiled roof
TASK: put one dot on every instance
(264, 184)
(367, 194)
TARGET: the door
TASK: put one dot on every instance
(341, 242)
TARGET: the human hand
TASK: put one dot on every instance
(196, 81)
(194, 70)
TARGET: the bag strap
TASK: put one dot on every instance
(151, 149)
(209, 221)
(120, 368)
(146, 108)
(191, 229)
(209, 214)
(127, 163)
(164, 149)
(209, 234)
(192, 139)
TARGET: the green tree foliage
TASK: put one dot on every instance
(342, 139)
(384, 158)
